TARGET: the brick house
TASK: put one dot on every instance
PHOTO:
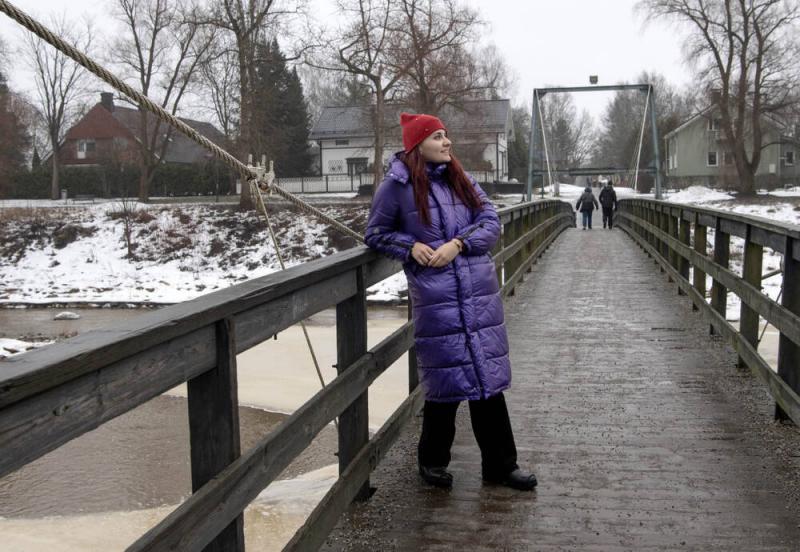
(109, 134)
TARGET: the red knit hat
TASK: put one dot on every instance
(417, 127)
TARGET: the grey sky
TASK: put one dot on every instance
(553, 42)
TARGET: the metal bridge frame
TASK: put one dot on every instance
(539, 92)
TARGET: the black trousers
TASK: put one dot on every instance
(492, 430)
(607, 216)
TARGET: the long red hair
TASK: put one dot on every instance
(455, 175)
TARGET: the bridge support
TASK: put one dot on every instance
(701, 246)
(351, 344)
(214, 427)
(719, 293)
(751, 273)
(788, 351)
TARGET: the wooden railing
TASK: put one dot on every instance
(676, 236)
(55, 394)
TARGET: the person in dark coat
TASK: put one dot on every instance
(436, 219)
(586, 204)
(608, 200)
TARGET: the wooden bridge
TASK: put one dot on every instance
(646, 432)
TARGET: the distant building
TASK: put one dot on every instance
(481, 130)
(110, 133)
(697, 153)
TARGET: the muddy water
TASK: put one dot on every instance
(106, 488)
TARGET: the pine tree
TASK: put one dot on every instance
(281, 115)
(14, 138)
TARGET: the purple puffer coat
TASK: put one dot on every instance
(460, 337)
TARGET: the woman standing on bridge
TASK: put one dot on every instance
(432, 216)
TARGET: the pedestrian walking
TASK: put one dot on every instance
(608, 201)
(433, 216)
(586, 204)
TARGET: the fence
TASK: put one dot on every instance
(343, 183)
(677, 238)
(52, 395)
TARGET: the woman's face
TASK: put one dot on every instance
(436, 147)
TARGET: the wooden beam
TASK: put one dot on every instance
(751, 273)
(351, 344)
(788, 350)
(214, 427)
(203, 515)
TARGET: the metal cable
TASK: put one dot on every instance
(263, 208)
(247, 174)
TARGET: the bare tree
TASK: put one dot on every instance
(220, 86)
(161, 49)
(570, 135)
(248, 22)
(363, 50)
(745, 52)
(60, 83)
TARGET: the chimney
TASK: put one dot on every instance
(107, 100)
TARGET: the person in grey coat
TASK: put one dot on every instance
(586, 204)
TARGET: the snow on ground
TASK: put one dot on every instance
(776, 206)
(697, 195)
(178, 252)
(11, 347)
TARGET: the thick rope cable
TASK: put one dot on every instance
(544, 142)
(247, 174)
(263, 208)
(641, 138)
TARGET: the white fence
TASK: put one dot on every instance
(331, 183)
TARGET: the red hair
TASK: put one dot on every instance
(454, 174)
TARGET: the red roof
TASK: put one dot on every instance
(98, 123)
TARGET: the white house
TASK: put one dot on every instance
(480, 129)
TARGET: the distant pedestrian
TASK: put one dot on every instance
(586, 204)
(608, 199)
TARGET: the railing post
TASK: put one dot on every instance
(719, 293)
(700, 246)
(685, 236)
(788, 351)
(672, 230)
(351, 344)
(214, 427)
(751, 273)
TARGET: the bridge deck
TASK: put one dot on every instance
(643, 433)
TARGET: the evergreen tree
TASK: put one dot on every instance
(280, 114)
(14, 139)
(518, 149)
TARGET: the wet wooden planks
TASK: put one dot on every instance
(623, 406)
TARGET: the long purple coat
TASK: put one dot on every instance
(460, 336)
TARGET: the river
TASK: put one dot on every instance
(104, 489)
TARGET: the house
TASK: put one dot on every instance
(110, 134)
(480, 129)
(697, 153)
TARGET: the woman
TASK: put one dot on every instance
(434, 218)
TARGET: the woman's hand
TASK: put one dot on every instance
(422, 253)
(444, 254)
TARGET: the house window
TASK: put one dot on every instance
(85, 147)
(713, 124)
(335, 166)
(712, 159)
(727, 158)
(356, 165)
(342, 142)
(789, 159)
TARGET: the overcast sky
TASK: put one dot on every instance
(546, 43)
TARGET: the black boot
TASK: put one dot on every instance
(438, 477)
(517, 479)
